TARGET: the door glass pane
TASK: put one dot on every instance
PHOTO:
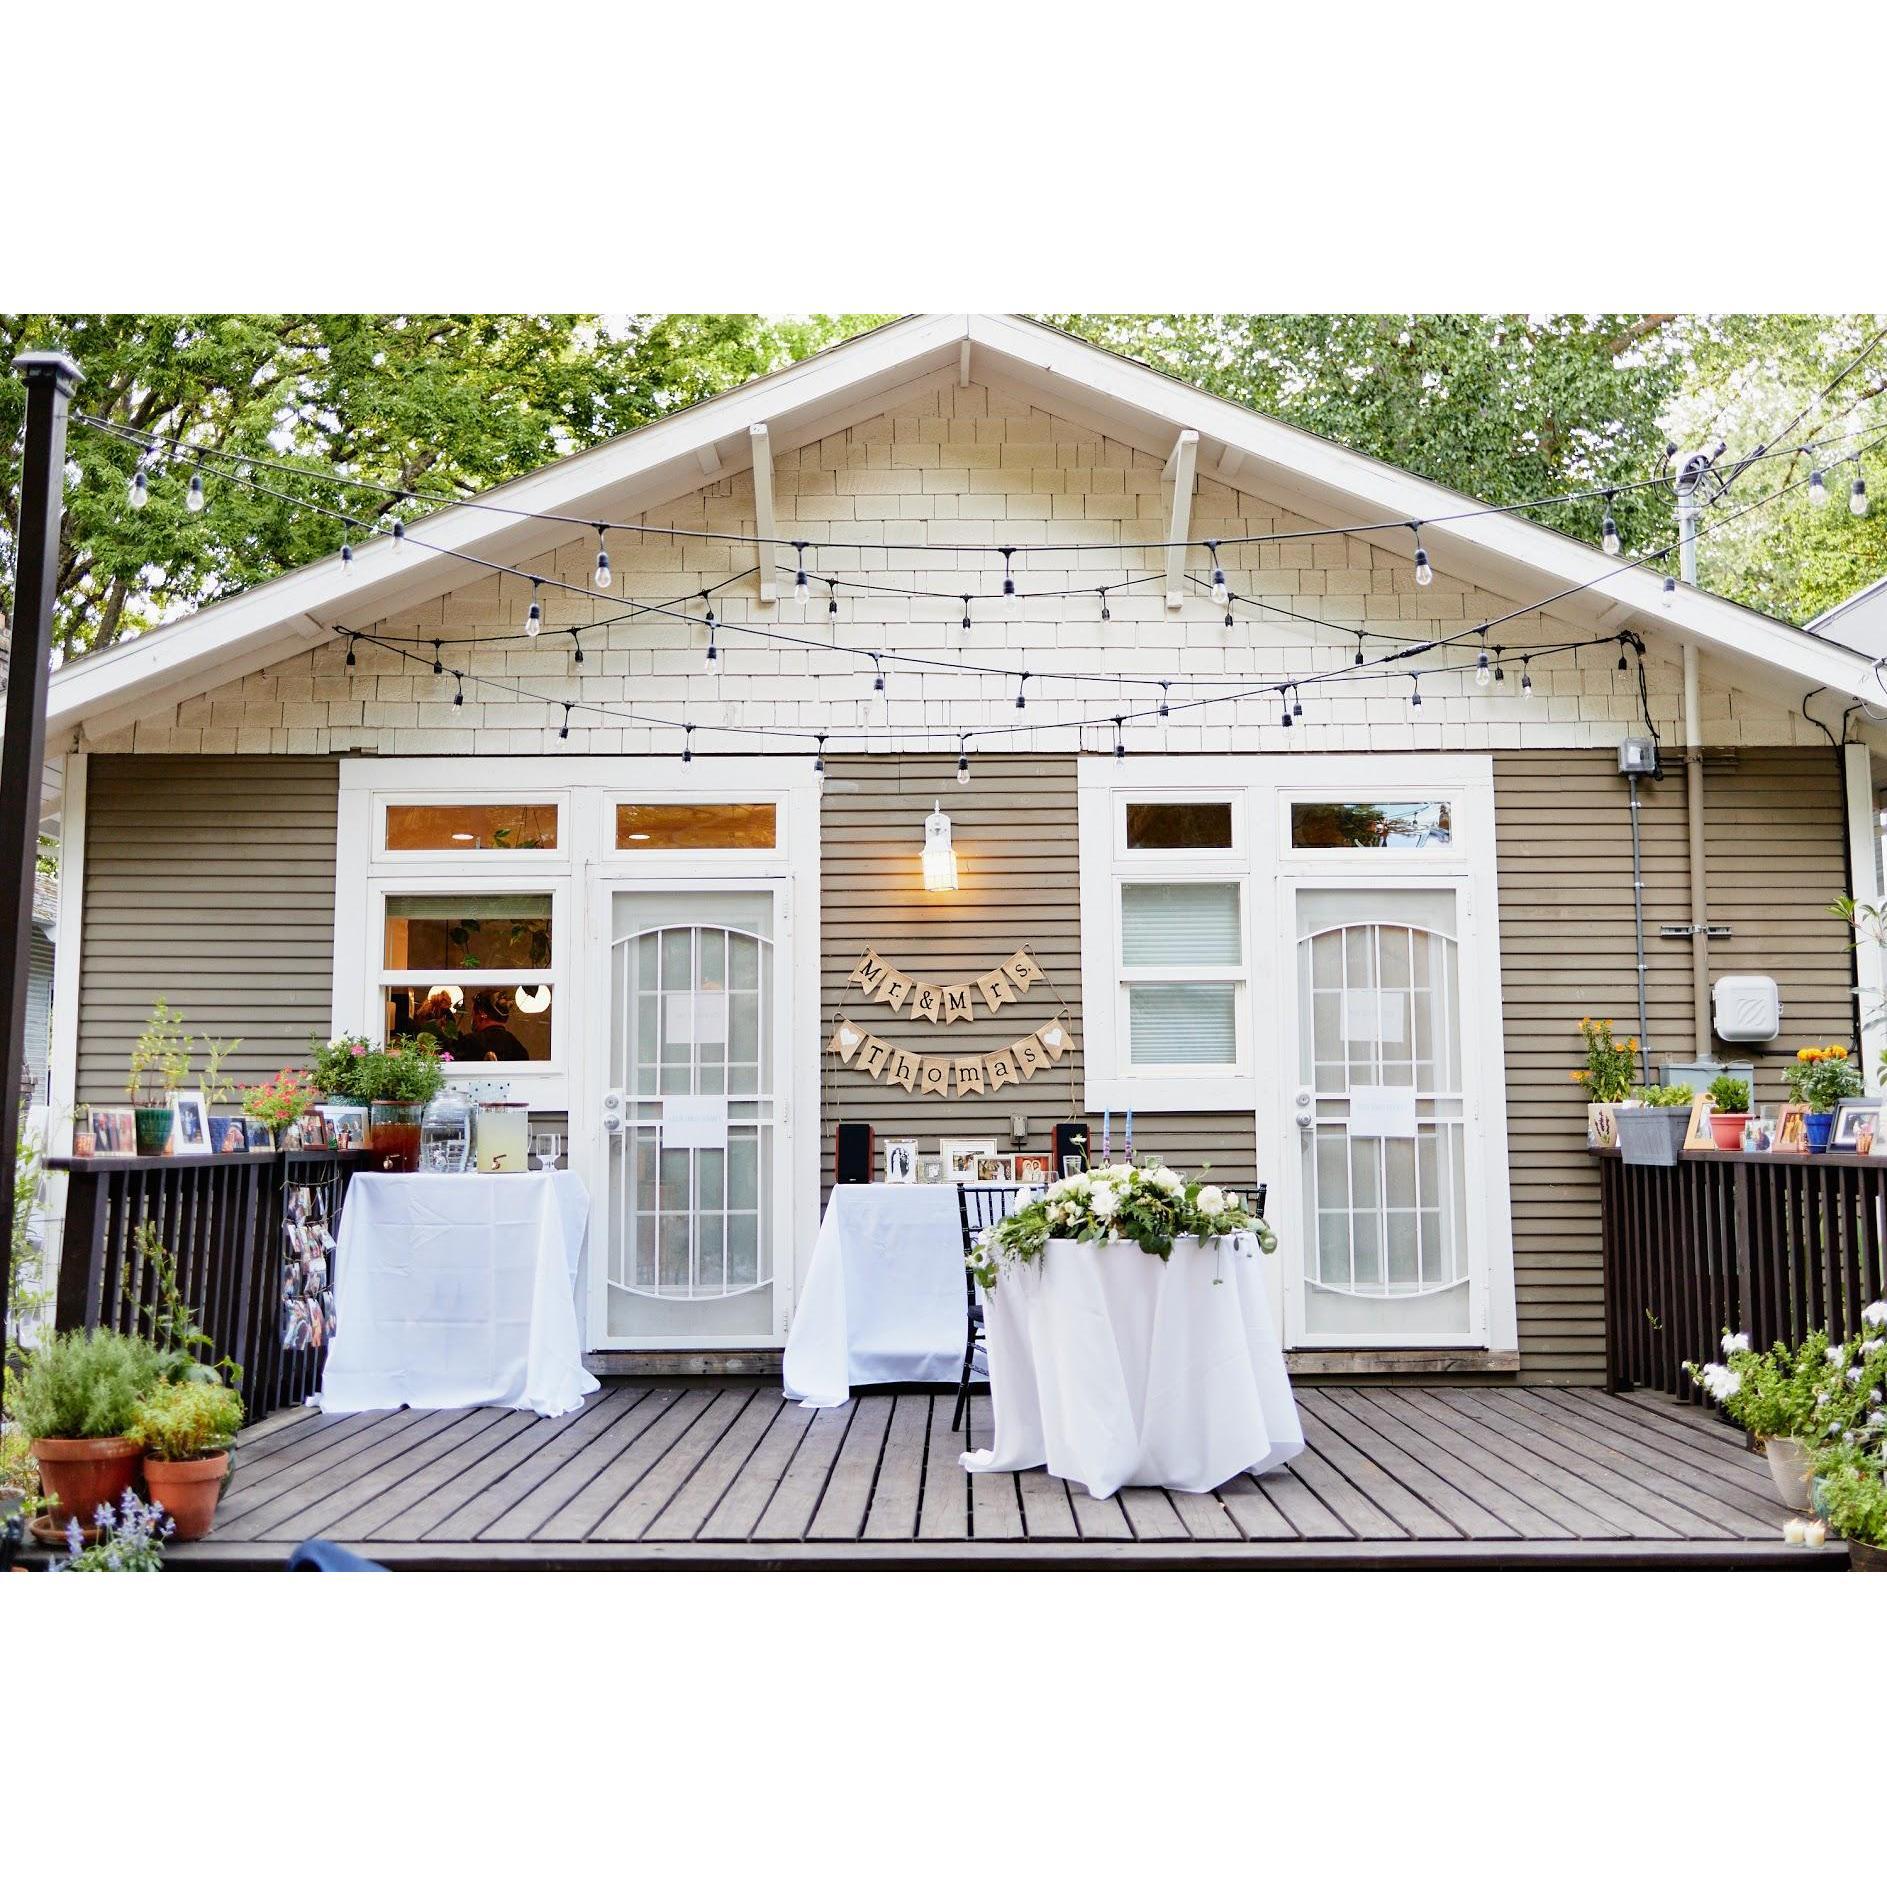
(703, 827)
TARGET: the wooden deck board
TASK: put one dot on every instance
(683, 1471)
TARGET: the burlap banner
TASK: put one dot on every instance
(1021, 1060)
(884, 982)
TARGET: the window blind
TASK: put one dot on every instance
(1194, 1024)
(1176, 926)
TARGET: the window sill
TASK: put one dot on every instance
(1173, 1094)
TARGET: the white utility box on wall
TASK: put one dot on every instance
(1746, 1008)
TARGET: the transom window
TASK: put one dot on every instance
(699, 827)
(476, 971)
(1179, 825)
(1398, 825)
(508, 828)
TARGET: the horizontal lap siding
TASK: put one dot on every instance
(209, 882)
(1015, 832)
(1774, 862)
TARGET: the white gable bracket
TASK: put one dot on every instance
(766, 554)
(1181, 466)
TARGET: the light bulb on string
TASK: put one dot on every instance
(966, 615)
(1022, 682)
(1483, 672)
(819, 760)
(1415, 700)
(577, 645)
(399, 535)
(347, 551)
(1621, 655)
(351, 640)
(534, 616)
(1120, 745)
(832, 598)
(458, 691)
(1106, 614)
(1228, 615)
(1857, 497)
(438, 667)
(1284, 709)
(563, 733)
(1163, 704)
(1220, 592)
(195, 498)
(1609, 540)
(1424, 575)
(1008, 575)
(1669, 598)
(138, 493)
(1297, 704)
(602, 578)
(802, 590)
(1359, 649)
(1817, 490)
(687, 743)
(1526, 676)
(1500, 674)
(878, 677)
(963, 762)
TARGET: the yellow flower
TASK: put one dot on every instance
(1836, 1052)
(1804, 1054)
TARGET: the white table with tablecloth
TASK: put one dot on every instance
(884, 1297)
(1114, 1369)
(456, 1290)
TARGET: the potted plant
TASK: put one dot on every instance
(160, 1064)
(1851, 1495)
(1652, 1132)
(1729, 1103)
(185, 1430)
(1822, 1078)
(19, 1473)
(276, 1104)
(401, 1078)
(1606, 1078)
(126, 1538)
(226, 1127)
(336, 1068)
(1794, 1401)
(76, 1398)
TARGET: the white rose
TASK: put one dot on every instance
(1121, 1169)
(1025, 1196)
(1167, 1180)
(1210, 1201)
(1234, 1202)
(1103, 1201)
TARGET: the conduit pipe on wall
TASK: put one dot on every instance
(1699, 890)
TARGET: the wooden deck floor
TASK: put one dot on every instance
(683, 1473)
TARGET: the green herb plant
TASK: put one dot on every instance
(1729, 1094)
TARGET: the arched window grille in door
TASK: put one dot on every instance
(1387, 1223)
(692, 1226)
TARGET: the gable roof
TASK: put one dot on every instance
(863, 376)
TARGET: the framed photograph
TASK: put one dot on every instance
(1759, 1133)
(1791, 1134)
(1034, 1169)
(345, 1125)
(190, 1122)
(259, 1138)
(995, 1169)
(1697, 1135)
(1857, 1125)
(114, 1132)
(900, 1162)
(930, 1170)
(960, 1157)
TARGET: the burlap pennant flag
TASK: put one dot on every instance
(925, 999)
(969, 1070)
(1028, 1054)
(997, 990)
(868, 972)
(1055, 1039)
(871, 1057)
(847, 1037)
(901, 1069)
(933, 1076)
(1023, 970)
(958, 1004)
(1002, 1070)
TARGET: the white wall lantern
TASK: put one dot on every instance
(940, 861)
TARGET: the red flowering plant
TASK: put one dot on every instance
(282, 1100)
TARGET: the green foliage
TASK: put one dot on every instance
(187, 1421)
(337, 1067)
(1151, 1208)
(85, 1384)
(1677, 1094)
(1609, 1063)
(447, 405)
(182, 1342)
(407, 1071)
(160, 1057)
(1820, 1393)
(1729, 1094)
(1823, 1077)
(17, 1465)
(282, 1100)
(1853, 1493)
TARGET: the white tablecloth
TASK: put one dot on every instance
(883, 1299)
(458, 1289)
(1115, 1370)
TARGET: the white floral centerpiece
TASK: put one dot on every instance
(1152, 1207)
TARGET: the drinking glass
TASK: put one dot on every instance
(545, 1149)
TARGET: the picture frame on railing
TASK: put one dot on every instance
(1857, 1125)
(1791, 1130)
(114, 1132)
(190, 1123)
(1697, 1135)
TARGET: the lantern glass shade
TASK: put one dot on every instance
(940, 860)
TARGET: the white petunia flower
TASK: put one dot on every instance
(1234, 1202)
(1167, 1180)
(1875, 1313)
(1735, 1340)
(1103, 1202)
(1720, 1381)
(1834, 1353)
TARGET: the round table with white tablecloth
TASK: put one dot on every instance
(1113, 1368)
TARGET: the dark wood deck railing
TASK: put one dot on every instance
(221, 1216)
(1776, 1245)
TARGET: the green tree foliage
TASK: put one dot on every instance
(1507, 408)
(446, 405)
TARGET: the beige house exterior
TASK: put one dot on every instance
(232, 786)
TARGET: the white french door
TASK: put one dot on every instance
(1385, 1117)
(696, 1186)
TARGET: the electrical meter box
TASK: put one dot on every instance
(1746, 1008)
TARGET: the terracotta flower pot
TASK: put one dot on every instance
(1865, 1557)
(187, 1491)
(1791, 1467)
(78, 1476)
(1727, 1131)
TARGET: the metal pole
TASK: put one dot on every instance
(50, 379)
(1638, 920)
(1694, 795)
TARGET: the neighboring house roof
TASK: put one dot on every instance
(1857, 622)
(866, 375)
(45, 901)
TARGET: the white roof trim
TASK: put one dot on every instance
(659, 462)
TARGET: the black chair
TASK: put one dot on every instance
(978, 1207)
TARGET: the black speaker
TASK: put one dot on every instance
(1071, 1137)
(852, 1154)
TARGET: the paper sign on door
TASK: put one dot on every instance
(697, 1017)
(1382, 1113)
(1373, 1015)
(694, 1120)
